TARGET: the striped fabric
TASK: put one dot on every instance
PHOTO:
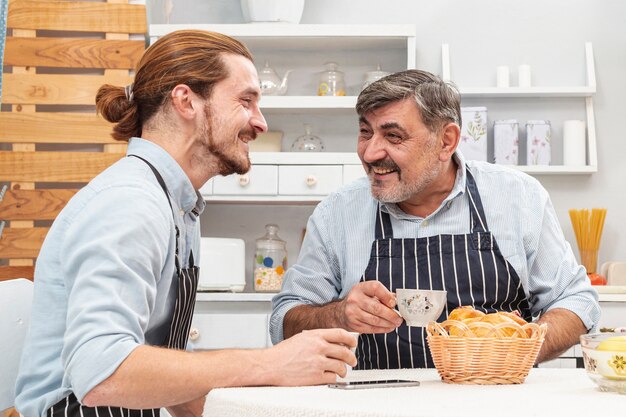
(177, 338)
(470, 267)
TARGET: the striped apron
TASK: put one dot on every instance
(176, 339)
(470, 267)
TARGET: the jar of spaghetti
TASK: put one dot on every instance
(270, 261)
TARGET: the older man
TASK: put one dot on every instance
(428, 218)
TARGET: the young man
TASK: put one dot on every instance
(116, 277)
(428, 219)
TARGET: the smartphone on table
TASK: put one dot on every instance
(385, 383)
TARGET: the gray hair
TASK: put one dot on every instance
(438, 101)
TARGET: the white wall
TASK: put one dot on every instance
(548, 35)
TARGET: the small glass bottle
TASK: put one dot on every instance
(270, 261)
(331, 81)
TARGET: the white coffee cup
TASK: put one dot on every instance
(418, 307)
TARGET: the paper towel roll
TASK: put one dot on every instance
(502, 76)
(574, 149)
(523, 75)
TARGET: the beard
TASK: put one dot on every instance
(217, 144)
(404, 189)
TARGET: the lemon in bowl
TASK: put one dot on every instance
(604, 355)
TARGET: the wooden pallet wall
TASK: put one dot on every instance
(51, 141)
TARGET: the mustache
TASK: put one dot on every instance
(384, 164)
(249, 133)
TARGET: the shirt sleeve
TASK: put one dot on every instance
(556, 279)
(114, 252)
(315, 278)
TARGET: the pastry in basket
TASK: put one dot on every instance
(475, 323)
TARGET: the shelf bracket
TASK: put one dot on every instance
(591, 71)
(445, 61)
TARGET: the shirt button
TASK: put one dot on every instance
(182, 212)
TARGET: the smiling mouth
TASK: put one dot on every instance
(382, 171)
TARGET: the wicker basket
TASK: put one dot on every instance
(496, 359)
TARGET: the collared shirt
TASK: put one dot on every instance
(105, 277)
(340, 232)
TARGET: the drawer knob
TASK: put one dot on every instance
(194, 333)
(311, 180)
(244, 180)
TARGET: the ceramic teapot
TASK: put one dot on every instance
(271, 84)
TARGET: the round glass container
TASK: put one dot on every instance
(372, 76)
(307, 142)
(270, 261)
(331, 81)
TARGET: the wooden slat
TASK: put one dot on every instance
(77, 16)
(22, 242)
(55, 88)
(34, 204)
(73, 52)
(12, 272)
(51, 127)
(23, 147)
(54, 166)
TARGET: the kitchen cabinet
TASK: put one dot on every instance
(304, 48)
(231, 320)
(536, 94)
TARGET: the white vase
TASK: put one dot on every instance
(286, 11)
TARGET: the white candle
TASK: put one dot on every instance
(502, 76)
(523, 75)
(574, 149)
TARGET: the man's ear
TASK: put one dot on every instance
(450, 136)
(184, 101)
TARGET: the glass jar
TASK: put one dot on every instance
(331, 81)
(307, 142)
(270, 261)
(372, 76)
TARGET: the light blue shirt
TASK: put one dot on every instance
(105, 279)
(340, 232)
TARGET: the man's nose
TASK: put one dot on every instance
(258, 121)
(374, 149)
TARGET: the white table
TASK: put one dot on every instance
(546, 392)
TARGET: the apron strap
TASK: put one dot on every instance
(384, 230)
(164, 187)
(478, 220)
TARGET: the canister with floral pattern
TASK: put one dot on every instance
(538, 142)
(270, 261)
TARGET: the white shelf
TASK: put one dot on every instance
(305, 158)
(351, 158)
(585, 92)
(532, 92)
(555, 169)
(291, 35)
(298, 37)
